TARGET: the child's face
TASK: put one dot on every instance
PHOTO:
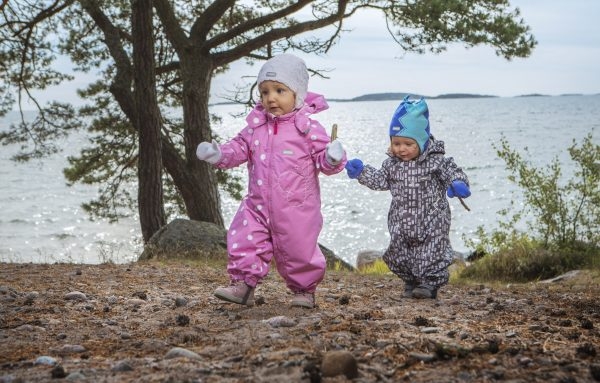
(276, 98)
(404, 148)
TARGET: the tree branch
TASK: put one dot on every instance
(209, 18)
(226, 57)
(121, 84)
(171, 25)
(257, 22)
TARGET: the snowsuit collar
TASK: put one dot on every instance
(313, 104)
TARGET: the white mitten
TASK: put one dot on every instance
(335, 152)
(209, 152)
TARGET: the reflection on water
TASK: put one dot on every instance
(42, 220)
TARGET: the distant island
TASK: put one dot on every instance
(400, 96)
(397, 96)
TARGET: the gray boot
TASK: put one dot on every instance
(238, 292)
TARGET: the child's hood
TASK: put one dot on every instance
(434, 147)
(313, 103)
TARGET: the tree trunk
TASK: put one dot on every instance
(198, 182)
(147, 121)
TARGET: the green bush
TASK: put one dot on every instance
(564, 226)
(527, 260)
(376, 268)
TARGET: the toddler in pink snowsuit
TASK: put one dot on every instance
(285, 150)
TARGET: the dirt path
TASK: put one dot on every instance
(155, 323)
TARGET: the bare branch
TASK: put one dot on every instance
(175, 33)
(209, 18)
(223, 58)
(121, 85)
(254, 23)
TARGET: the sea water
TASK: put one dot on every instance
(41, 219)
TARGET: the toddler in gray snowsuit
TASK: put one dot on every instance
(419, 177)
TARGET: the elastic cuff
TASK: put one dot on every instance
(251, 281)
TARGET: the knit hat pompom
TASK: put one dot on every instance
(288, 70)
(411, 119)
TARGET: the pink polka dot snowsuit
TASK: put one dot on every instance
(281, 214)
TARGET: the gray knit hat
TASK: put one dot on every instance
(288, 70)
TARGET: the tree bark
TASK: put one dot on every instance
(199, 186)
(147, 121)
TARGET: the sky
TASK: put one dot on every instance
(367, 60)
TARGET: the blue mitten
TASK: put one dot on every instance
(458, 189)
(354, 167)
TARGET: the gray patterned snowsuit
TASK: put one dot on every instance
(419, 217)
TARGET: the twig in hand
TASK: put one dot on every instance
(460, 199)
(333, 132)
(464, 204)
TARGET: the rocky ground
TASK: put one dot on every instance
(155, 322)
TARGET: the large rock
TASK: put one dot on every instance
(332, 260)
(183, 238)
(366, 258)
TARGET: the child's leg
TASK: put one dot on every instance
(399, 263)
(250, 251)
(299, 259)
(250, 248)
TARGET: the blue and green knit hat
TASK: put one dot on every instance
(411, 119)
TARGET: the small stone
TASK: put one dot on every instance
(182, 320)
(180, 302)
(29, 328)
(344, 299)
(427, 358)
(525, 361)
(280, 321)
(587, 324)
(498, 373)
(76, 377)
(75, 296)
(31, 297)
(47, 360)
(421, 321)
(140, 294)
(70, 349)
(586, 349)
(122, 366)
(339, 363)
(179, 352)
(135, 303)
(58, 372)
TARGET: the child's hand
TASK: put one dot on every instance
(209, 152)
(458, 189)
(354, 167)
(334, 152)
